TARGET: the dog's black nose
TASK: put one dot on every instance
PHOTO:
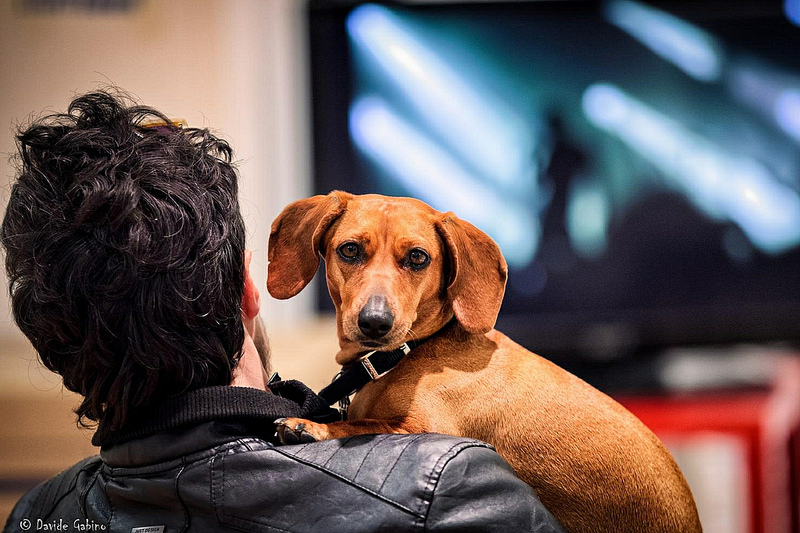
(375, 319)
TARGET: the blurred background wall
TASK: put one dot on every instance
(236, 67)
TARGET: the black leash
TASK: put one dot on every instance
(368, 368)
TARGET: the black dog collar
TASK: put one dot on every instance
(370, 367)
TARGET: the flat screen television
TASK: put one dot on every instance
(637, 162)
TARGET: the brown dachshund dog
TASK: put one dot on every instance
(398, 270)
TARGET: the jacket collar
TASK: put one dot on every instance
(253, 407)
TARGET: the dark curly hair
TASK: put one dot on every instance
(125, 255)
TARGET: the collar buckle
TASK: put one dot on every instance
(370, 368)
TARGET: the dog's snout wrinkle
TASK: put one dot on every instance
(375, 319)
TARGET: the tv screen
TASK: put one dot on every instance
(637, 162)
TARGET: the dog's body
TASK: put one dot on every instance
(399, 270)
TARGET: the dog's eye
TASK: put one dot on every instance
(349, 251)
(417, 258)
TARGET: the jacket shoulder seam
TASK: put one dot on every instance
(439, 467)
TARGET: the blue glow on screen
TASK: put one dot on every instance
(430, 172)
(468, 118)
(792, 10)
(689, 48)
(722, 184)
(445, 137)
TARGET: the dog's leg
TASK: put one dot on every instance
(299, 430)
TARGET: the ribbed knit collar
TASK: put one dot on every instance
(221, 403)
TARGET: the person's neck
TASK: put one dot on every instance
(249, 372)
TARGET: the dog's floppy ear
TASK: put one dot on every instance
(477, 273)
(295, 240)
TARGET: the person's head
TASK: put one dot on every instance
(125, 254)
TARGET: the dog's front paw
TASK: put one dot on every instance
(299, 431)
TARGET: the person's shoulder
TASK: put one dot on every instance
(398, 467)
(41, 500)
(384, 455)
(438, 481)
(381, 481)
(389, 466)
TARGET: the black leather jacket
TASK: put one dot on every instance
(205, 462)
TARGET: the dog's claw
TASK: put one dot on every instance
(295, 435)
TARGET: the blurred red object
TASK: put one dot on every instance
(739, 449)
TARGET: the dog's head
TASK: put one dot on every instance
(396, 268)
